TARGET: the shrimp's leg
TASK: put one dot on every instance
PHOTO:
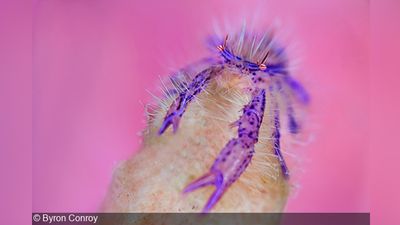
(179, 105)
(298, 89)
(293, 126)
(237, 153)
(277, 146)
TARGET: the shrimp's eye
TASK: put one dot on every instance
(262, 66)
(222, 47)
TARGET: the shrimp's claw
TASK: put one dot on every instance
(178, 107)
(173, 119)
(234, 158)
(212, 178)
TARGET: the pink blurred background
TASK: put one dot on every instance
(94, 60)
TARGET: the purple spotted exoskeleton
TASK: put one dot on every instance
(265, 64)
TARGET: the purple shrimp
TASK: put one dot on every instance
(265, 64)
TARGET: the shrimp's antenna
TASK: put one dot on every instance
(265, 57)
(226, 39)
(262, 66)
